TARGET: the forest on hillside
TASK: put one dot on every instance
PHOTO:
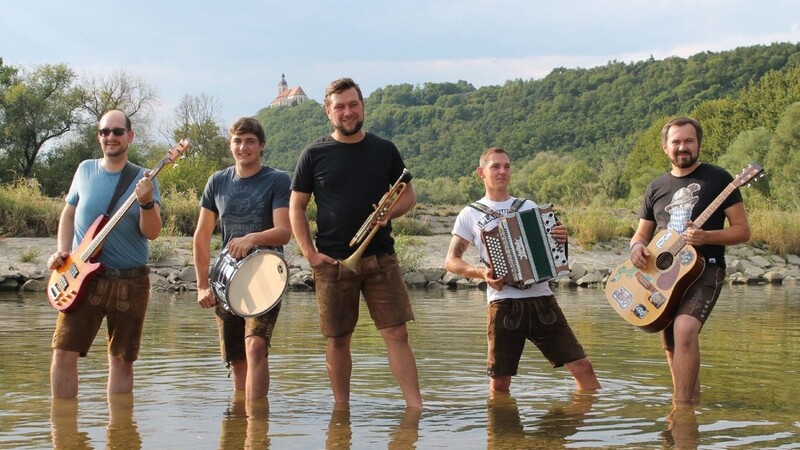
(585, 136)
(579, 135)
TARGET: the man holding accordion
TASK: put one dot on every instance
(514, 313)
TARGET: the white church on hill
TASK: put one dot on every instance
(288, 96)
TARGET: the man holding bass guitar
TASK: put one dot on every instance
(673, 201)
(121, 292)
(251, 201)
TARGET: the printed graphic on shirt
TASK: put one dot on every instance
(680, 208)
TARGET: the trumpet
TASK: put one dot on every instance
(369, 228)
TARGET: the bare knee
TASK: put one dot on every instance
(256, 347)
(397, 333)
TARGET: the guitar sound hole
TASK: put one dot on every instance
(664, 261)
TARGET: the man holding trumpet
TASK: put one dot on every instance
(349, 173)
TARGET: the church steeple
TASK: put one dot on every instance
(283, 85)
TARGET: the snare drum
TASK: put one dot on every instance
(252, 285)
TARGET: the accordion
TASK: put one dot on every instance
(521, 249)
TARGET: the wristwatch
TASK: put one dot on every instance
(148, 205)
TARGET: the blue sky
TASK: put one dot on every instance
(237, 51)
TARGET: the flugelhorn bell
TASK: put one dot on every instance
(369, 228)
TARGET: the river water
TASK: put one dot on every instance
(183, 398)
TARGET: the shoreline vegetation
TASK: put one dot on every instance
(26, 212)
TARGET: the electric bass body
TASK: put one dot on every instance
(68, 282)
(648, 298)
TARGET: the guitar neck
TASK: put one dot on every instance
(702, 218)
(102, 235)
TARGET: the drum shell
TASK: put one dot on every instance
(250, 286)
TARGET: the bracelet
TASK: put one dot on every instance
(147, 206)
(635, 244)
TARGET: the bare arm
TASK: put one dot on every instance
(642, 236)
(278, 235)
(455, 263)
(405, 202)
(298, 204)
(149, 219)
(66, 233)
(737, 231)
(201, 253)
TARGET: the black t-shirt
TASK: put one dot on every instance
(674, 198)
(346, 180)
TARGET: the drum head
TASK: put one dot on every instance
(258, 285)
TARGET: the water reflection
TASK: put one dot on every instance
(246, 423)
(121, 432)
(183, 400)
(340, 429)
(682, 431)
(552, 429)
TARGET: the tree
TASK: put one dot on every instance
(39, 106)
(119, 90)
(196, 118)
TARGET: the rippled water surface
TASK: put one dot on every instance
(183, 398)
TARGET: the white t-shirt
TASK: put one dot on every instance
(469, 224)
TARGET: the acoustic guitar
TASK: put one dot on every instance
(648, 298)
(68, 282)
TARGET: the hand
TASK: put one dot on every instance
(57, 260)
(559, 232)
(205, 298)
(239, 247)
(639, 255)
(144, 190)
(496, 283)
(694, 236)
(316, 259)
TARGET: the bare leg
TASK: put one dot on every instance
(257, 385)
(583, 373)
(120, 376)
(684, 361)
(239, 371)
(64, 374)
(340, 367)
(500, 384)
(403, 364)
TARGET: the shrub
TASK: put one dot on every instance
(779, 231)
(25, 212)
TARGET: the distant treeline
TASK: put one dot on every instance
(581, 136)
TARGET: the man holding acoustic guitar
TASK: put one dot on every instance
(672, 202)
(121, 292)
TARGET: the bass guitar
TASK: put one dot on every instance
(648, 298)
(68, 282)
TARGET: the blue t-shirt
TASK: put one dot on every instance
(90, 192)
(245, 205)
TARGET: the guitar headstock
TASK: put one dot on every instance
(749, 173)
(177, 151)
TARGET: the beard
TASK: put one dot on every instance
(350, 131)
(684, 162)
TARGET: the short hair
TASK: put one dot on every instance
(681, 121)
(489, 152)
(128, 124)
(244, 125)
(341, 85)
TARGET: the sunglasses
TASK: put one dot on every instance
(116, 131)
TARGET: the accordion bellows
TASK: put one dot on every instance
(522, 251)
